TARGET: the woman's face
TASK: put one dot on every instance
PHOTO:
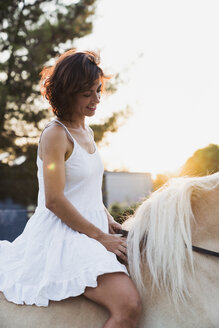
(85, 102)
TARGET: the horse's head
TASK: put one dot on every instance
(184, 211)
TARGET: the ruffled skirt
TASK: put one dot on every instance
(50, 261)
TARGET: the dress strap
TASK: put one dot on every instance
(51, 123)
(66, 129)
(44, 130)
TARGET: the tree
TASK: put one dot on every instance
(122, 212)
(19, 182)
(160, 180)
(32, 32)
(110, 125)
(203, 162)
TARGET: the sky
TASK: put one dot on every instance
(167, 55)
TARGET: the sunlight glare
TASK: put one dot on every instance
(167, 57)
(51, 166)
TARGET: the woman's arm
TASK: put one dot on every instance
(113, 225)
(54, 148)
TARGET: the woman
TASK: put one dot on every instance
(66, 249)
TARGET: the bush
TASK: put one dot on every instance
(121, 212)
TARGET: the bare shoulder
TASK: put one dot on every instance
(53, 139)
(53, 134)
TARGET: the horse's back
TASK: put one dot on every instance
(74, 312)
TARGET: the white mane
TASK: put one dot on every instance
(161, 236)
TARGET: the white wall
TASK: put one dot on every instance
(126, 187)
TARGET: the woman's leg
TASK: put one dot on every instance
(118, 294)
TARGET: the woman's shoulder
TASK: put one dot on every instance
(53, 132)
(53, 141)
(54, 137)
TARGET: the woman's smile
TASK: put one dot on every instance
(93, 108)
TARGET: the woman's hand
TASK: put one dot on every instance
(114, 244)
(114, 226)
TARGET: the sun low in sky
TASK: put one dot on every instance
(167, 54)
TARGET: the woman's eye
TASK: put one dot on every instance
(87, 95)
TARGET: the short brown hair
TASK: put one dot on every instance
(73, 72)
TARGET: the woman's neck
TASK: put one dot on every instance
(73, 122)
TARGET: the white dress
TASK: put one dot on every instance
(49, 260)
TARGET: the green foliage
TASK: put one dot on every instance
(122, 212)
(19, 182)
(110, 125)
(111, 84)
(32, 32)
(203, 162)
(160, 180)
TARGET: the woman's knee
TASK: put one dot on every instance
(118, 293)
(127, 300)
(130, 309)
(133, 307)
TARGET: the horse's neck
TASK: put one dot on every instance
(205, 230)
(201, 309)
(205, 234)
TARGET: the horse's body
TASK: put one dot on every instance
(76, 312)
(179, 288)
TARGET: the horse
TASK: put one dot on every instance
(173, 249)
(173, 244)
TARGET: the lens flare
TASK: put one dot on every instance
(51, 166)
